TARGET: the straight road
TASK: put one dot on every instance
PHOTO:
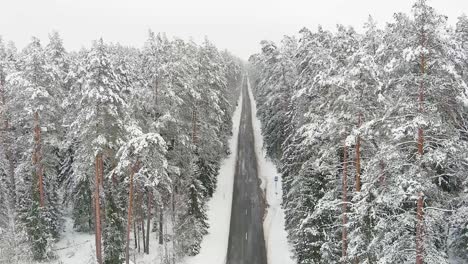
(246, 240)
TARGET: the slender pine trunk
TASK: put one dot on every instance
(137, 224)
(135, 241)
(97, 206)
(7, 144)
(420, 218)
(419, 231)
(174, 229)
(358, 157)
(161, 218)
(345, 204)
(129, 217)
(148, 221)
(37, 159)
(142, 224)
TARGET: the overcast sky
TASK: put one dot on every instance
(236, 25)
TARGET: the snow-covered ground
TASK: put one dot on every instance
(214, 245)
(79, 248)
(278, 248)
(75, 247)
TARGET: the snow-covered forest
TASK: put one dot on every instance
(81, 132)
(369, 131)
(331, 146)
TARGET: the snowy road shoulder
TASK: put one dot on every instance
(278, 248)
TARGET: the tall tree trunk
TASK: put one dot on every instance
(102, 199)
(7, 145)
(11, 172)
(135, 240)
(421, 106)
(161, 218)
(194, 126)
(358, 157)
(148, 221)
(420, 219)
(382, 173)
(156, 95)
(97, 206)
(37, 159)
(142, 224)
(138, 235)
(129, 216)
(345, 203)
(174, 229)
(419, 231)
(137, 213)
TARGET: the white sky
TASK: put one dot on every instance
(236, 25)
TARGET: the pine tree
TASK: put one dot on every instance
(113, 233)
(34, 113)
(195, 223)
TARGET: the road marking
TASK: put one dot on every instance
(245, 211)
(245, 236)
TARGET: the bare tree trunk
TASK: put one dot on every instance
(142, 224)
(6, 144)
(137, 224)
(138, 237)
(37, 159)
(419, 231)
(97, 206)
(382, 173)
(135, 230)
(345, 203)
(358, 158)
(174, 229)
(102, 194)
(11, 172)
(194, 126)
(129, 217)
(148, 221)
(161, 218)
(166, 255)
(421, 106)
(420, 219)
(358, 165)
(156, 94)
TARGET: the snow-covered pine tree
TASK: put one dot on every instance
(57, 68)
(144, 156)
(277, 89)
(98, 129)
(35, 108)
(213, 117)
(458, 232)
(424, 60)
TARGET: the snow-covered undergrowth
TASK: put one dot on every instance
(215, 244)
(278, 249)
(79, 248)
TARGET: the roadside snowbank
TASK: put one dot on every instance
(278, 248)
(214, 245)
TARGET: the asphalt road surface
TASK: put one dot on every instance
(246, 240)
